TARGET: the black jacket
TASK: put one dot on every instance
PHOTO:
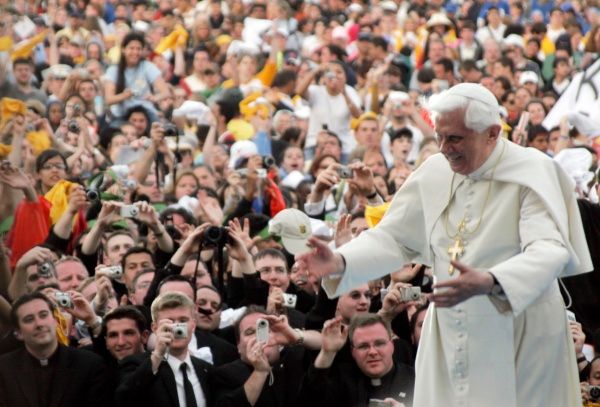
(222, 351)
(228, 381)
(345, 385)
(140, 387)
(78, 379)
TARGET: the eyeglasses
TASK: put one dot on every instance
(355, 295)
(379, 344)
(57, 166)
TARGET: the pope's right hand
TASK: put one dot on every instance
(321, 260)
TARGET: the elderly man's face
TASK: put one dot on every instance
(464, 149)
(70, 275)
(372, 350)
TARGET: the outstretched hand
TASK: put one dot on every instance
(321, 260)
(468, 283)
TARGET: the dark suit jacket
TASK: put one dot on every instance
(222, 351)
(227, 382)
(140, 387)
(79, 380)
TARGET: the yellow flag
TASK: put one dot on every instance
(25, 48)
(58, 196)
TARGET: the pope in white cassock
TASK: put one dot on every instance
(498, 224)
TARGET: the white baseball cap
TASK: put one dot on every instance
(294, 228)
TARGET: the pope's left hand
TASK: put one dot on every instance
(468, 283)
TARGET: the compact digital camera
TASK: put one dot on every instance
(410, 294)
(129, 211)
(112, 272)
(63, 299)
(180, 330)
(289, 300)
(46, 269)
(344, 172)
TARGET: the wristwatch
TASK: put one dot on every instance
(496, 288)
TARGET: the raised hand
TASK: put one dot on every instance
(14, 177)
(255, 353)
(334, 335)
(343, 231)
(321, 261)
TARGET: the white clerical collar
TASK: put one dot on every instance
(490, 163)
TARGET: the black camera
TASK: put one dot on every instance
(268, 161)
(73, 126)
(216, 236)
(170, 130)
(92, 194)
(594, 392)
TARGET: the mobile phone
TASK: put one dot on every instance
(522, 126)
(262, 330)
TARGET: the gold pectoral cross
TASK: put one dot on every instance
(457, 249)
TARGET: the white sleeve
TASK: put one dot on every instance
(398, 239)
(543, 256)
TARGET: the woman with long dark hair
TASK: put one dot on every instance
(134, 81)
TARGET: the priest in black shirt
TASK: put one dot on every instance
(373, 375)
(45, 373)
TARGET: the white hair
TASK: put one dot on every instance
(481, 110)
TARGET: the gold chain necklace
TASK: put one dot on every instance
(458, 246)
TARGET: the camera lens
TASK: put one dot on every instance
(92, 195)
(170, 130)
(268, 161)
(73, 126)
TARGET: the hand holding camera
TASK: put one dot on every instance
(255, 352)
(327, 178)
(362, 179)
(164, 337)
(275, 300)
(109, 213)
(400, 297)
(77, 200)
(37, 255)
(75, 304)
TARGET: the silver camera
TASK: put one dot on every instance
(262, 330)
(112, 272)
(289, 300)
(129, 211)
(46, 269)
(344, 172)
(180, 330)
(378, 403)
(63, 299)
(410, 294)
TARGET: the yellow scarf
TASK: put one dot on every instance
(58, 196)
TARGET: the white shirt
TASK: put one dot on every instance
(192, 377)
(332, 111)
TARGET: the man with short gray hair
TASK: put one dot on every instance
(503, 226)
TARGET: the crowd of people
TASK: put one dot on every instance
(164, 163)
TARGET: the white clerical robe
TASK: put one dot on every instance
(486, 351)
